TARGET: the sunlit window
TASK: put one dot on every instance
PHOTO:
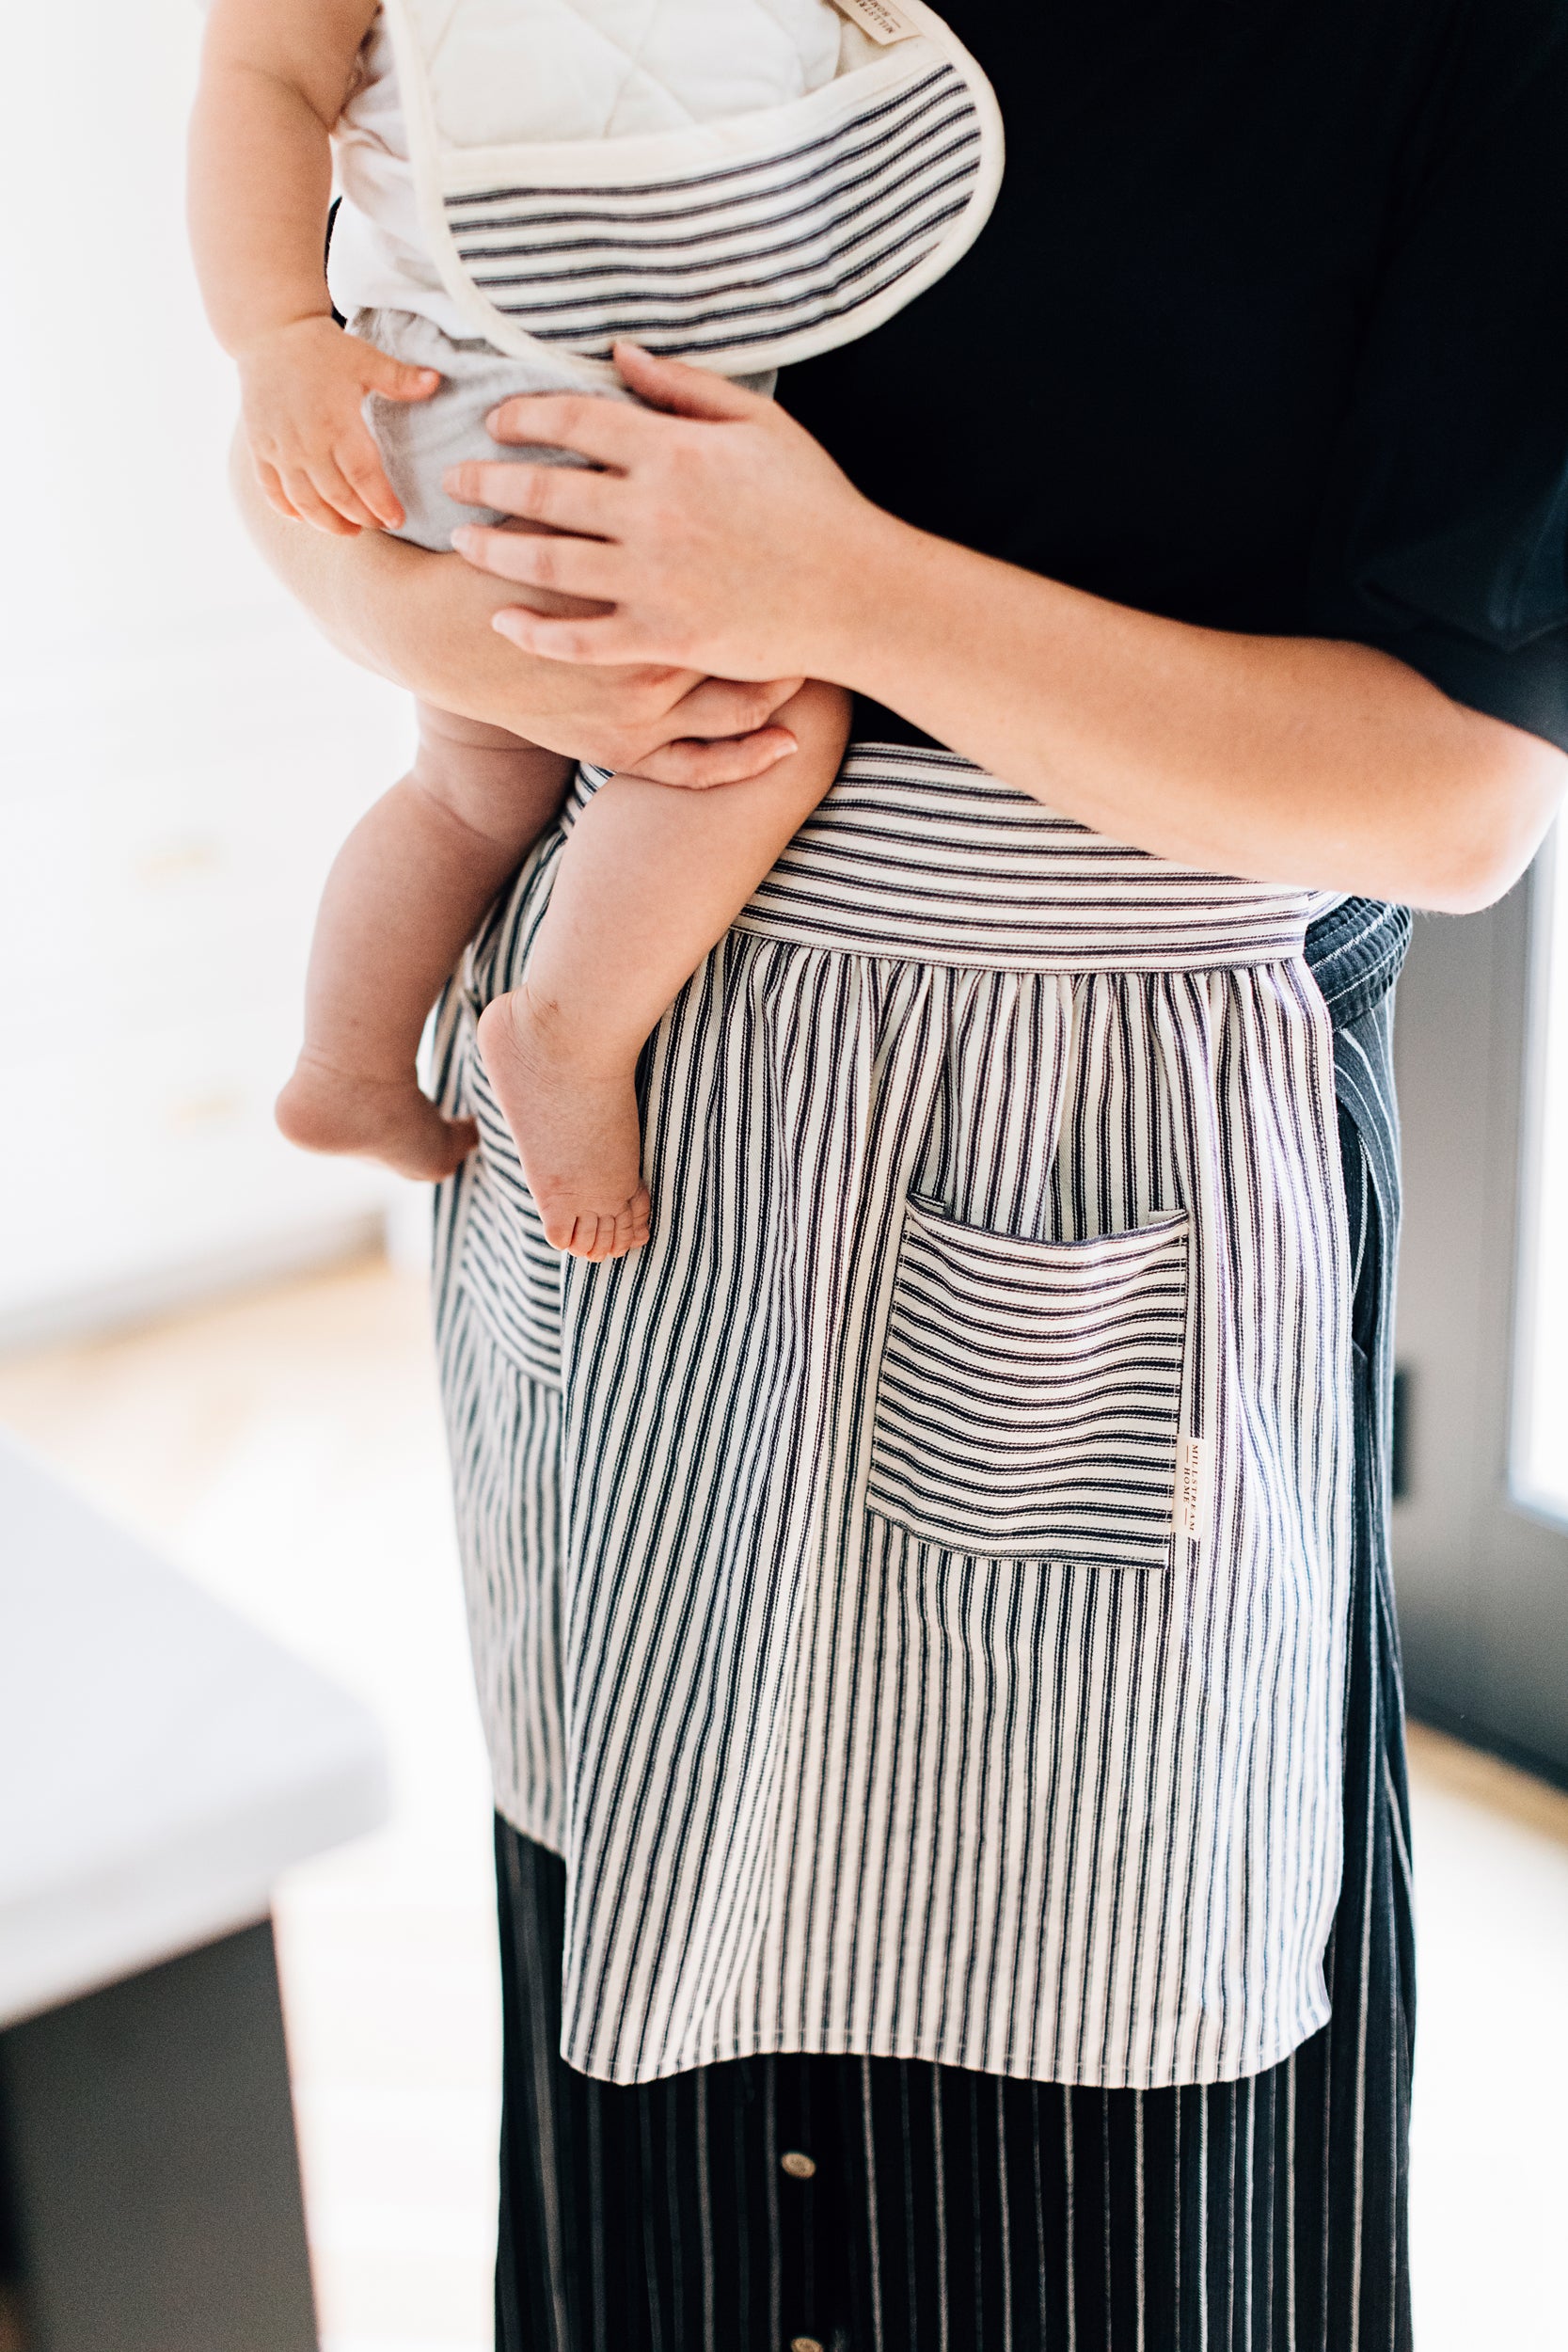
(1541, 1447)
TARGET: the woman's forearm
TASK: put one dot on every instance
(418, 619)
(423, 621)
(719, 532)
(1286, 759)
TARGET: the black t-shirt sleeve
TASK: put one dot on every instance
(1443, 536)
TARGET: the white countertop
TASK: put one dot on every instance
(160, 1761)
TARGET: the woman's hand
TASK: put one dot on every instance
(722, 536)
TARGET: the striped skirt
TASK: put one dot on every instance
(880, 2205)
(914, 1598)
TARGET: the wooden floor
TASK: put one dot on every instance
(286, 1448)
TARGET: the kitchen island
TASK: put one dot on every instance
(161, 1763)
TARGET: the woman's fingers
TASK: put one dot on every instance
(594, 645)
(576, 567)
(692, 766)
(682, 390)
(727, 706)
(612, 432)
(568, 498)
(722, 733)
(609, 432)
(726, 536)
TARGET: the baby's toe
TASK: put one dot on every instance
(631, 1228)
(614, 1235)
(584, 1239)
(562, 1229)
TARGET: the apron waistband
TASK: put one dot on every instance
(919, 854)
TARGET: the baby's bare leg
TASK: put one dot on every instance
(651, 879)
(407, 890)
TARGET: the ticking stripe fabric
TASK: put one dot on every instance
(1030, 1398)
(748, 254)
(917, 855)
(902, 1659)
(961, 2210)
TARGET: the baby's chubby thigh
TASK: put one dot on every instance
(419, 439)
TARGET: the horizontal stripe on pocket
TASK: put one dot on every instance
(1030, 1399)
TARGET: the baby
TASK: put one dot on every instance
(650, 877)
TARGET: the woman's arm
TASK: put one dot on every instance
(1303, 760)
(423, 621)
(724, 536)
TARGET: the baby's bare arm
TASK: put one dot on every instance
(275, 75)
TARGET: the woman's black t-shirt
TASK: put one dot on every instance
(1269, 329)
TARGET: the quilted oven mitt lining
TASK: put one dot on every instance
(745, 243)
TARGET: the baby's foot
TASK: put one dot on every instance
(323, 1108)
(575, 1125)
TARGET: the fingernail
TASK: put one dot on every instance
(464, 537)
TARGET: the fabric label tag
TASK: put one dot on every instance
(1192, 1480)
(884, 20)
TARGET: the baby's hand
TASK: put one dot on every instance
(301, 390)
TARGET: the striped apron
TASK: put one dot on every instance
(910, 1593)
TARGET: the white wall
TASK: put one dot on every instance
(179, 755)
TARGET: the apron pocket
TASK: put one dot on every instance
(1031, 1392)
(507, 1269)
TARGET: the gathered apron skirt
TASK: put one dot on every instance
(869, 2204)
(912, 1593)
(948, 2209)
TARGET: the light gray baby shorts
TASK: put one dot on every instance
(420, 438)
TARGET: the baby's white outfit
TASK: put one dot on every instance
(739, 183)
